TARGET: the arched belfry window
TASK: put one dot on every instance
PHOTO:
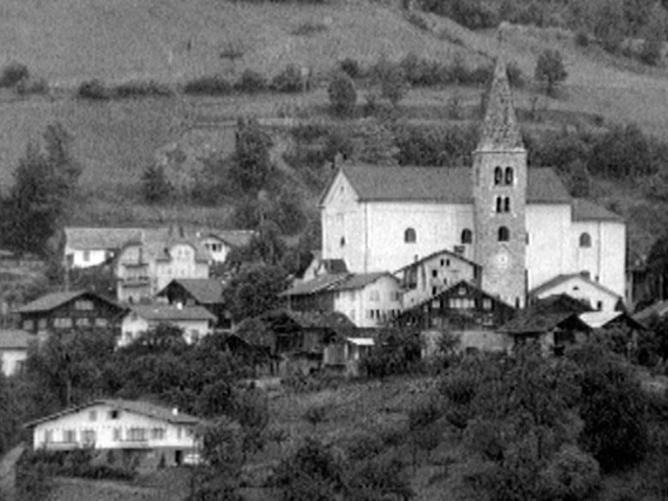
(504, 234)
(509, 175)
(498, 175)
(585, 240)
(499, 204)
(467, 236)
(410, 236)
(506, 204)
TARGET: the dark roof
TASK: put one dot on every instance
(559, 279)
(167, 312)
(320, 319)
(584, 210)
(204, 290)
(360, 280)
(317, 284)
(500, 129)
(441, 184)
(53, 300)
(434, 254)
(15, 339)
(134, 406)
(447, 291)
(233, 238)
(538, 323)
(559, 303)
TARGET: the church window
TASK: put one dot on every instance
(599, 305)
(410, 236)
(343, 241)
(498, 175)
(467, 236)
(509, 175)
(506, 204)
(499, 204)
(434, 273)
(585, 240)
(504, 234)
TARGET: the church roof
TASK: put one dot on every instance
(584, 210)
(500, 129)
(441, 184)
(560, 279)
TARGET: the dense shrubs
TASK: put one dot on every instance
(351, 67)
(342, 94)
(28, 86)
(13, 73)
(289, 80)
(93, 89)
(140, 88)
(213, 85)
(251, 82)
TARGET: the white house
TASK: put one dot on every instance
(119, 424)
(86, 246)
(146, 265)
(219, 243)
(367, 299)
(581, 287)
(195, 321)
(518, 223)
(14, 344)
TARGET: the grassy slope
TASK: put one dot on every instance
(71, 40)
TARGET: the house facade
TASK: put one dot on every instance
(519, 224)
(147, 265)
(65, 311)
(195, 321)
(219, 243)
(14, 344)
(205, 292)
(92, 246)
(119, 425)
(580, 286)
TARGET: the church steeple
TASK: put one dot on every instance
(500, 130)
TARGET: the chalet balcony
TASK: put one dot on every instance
(136, 281)
(140, 443)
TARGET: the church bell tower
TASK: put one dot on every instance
(499, 196)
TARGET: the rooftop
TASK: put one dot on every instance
(165, 312)
(15, 339)
(204, 290)
(134, 406)
(53, 300)
(584, 210)
(560, 279)
(87, 238)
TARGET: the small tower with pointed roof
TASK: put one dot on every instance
(499, 196)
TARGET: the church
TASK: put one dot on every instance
(517, 224)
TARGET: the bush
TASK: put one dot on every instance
(392, 80)
(142, 89)
(13, 73)
(342, 94)
(155, 185)
(582, 39)
(32, 86)
(214, 85)
(571, 475)
(289, 80)
(251, 82)
(351, 67)
(308, 28)
(93, 89)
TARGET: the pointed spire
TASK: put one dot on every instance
(500, 129)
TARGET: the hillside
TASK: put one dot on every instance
(68, 41)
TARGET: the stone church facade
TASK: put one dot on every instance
(518, 223)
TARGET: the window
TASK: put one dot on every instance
(92, 415)
(486, 304)
(88, 436)
(83, 322)
(48, 436)
(157, 433)
(467, 236)
(118, 434)
(28, 325)
(504, 234)
(41, 324)
(369, 314)
(113, 414)
(498, 175)
(86, 256)
(83, 305)
(101, 322)
(342, 242)
(434, 291)
(434, 273)
(599, 305)
(409, 236)
(506, 204)
(509, 175)
(499, 204)
(447, 262)
(585, 240)
(62, 323)
(137, 434)
(69, 436)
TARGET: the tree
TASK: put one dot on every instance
(622, 152)
(392, 81)
(550, 70)
(156, 187)
(342, 94)
(608, 23)
(254, 290)
(654, 34)
(252, 163)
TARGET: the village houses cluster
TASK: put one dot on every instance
(494, 253)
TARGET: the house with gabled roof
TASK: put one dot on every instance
(367, 299)
(581, 287)
(14, 345)
(519, 223)
(195, 321)
(205, 292)
(92, 246)
(115, 424)
(219, 243)
(69, 310)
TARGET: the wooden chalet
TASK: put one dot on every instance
(206, 292)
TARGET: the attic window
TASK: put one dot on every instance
(585, 240)
(498, 175)
(509, 175)
(114, 414)
(467, 236)
(343, 241)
